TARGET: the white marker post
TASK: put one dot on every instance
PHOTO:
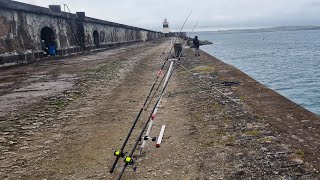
(156, 109)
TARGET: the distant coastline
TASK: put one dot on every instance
(272, 29)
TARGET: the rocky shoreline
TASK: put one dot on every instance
(201, 42)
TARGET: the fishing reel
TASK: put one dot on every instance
(130, 162)
(146, 138)
(119, 153)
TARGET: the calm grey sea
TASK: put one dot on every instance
(287, 62)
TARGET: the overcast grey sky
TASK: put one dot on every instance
(211, 14)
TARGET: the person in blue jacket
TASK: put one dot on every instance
(52, 48)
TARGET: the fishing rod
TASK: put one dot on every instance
(120, 153)
(158, 105)
(163, 76)
(154, 113)
(128, 159)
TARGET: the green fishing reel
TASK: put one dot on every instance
(118, 153)
(128, 160)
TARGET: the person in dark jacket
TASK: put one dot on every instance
(196, 44)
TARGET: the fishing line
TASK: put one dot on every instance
(210, 85)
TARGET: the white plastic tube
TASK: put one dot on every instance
(158, 144)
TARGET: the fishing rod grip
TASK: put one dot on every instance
(114, 164)
(131, 129)
(122, 171)
(126, 140)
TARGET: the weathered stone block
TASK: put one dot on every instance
(55, 8)
(81, 15)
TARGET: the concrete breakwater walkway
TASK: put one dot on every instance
(62, 119)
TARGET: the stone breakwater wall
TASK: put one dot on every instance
(24, 26)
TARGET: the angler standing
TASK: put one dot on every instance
(196, 45)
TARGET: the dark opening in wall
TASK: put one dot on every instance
(47, 35)
(48, 41)
(96, 38)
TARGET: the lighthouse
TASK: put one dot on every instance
(165, 26)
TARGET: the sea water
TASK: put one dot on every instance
(285, 61)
